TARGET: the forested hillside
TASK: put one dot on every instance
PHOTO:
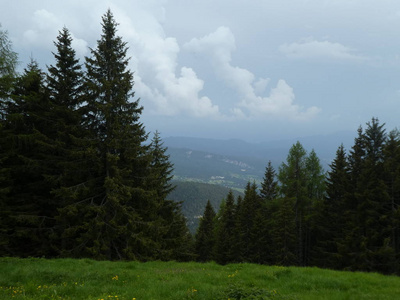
(346, 219)
(194, 197)
(229, 171)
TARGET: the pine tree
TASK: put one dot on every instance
(260, 244)
(315, 194)
(108, 224)
(8, 62)
(225, 245)
(64, 85)
(332, 217)
(283, 232)
(367, 245)
(293, 179)
(392, 180)
(269, 186)
(161, 169)
(205, 239)
(25, 158)
(349, 243)
(374, 203)
(251, 211)
(170, 230)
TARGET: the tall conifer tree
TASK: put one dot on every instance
(165, 216)
(226, 245)
(293, 179)
(26, 149)
(111, 226)
(269, 186)
(333, 216)
(205, 239)
(392, 179)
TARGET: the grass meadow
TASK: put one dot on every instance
(88, 279)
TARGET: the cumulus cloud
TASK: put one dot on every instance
(312, 49)
(167, 89)
(253, 103)
(45, 27)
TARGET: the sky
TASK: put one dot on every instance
(255, 70)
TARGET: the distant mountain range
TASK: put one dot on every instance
(232, 163)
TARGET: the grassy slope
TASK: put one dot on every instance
(87, 279)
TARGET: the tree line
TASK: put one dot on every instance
(347, 218)
(78, 174)
(79, 177)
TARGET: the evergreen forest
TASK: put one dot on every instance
(347, 218)
(81, 177)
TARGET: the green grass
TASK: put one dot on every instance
(88, 279)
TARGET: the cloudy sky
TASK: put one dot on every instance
(255, 70)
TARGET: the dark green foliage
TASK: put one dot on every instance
(194, 197)
(117, 219)
(260, 244)
(28, 207)
(392, 180)
(76, 176)
(250, 207)
(205, 239)
(161, 169)
(8, 62)
(359, 218)
(64, 86)
(294, 185)
(331, 220)
(269, 186)
(283, 232)
(226, 235)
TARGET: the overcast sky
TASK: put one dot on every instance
(255, 70)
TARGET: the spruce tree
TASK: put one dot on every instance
(269, 185)
(392, 180)
(225, 245)
(75, 149)
(166, 218)
(8, 62)
(250, 207)
(161, 169)
(204, 239)
(293, 180)
(374, 202)
(26, 153)
(332, 218)
(283, 232)
(260, 237)
(108, 222)
(315, 194)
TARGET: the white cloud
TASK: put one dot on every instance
(312, 49)
(45, 29)
(166, 89)
(280, 102)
